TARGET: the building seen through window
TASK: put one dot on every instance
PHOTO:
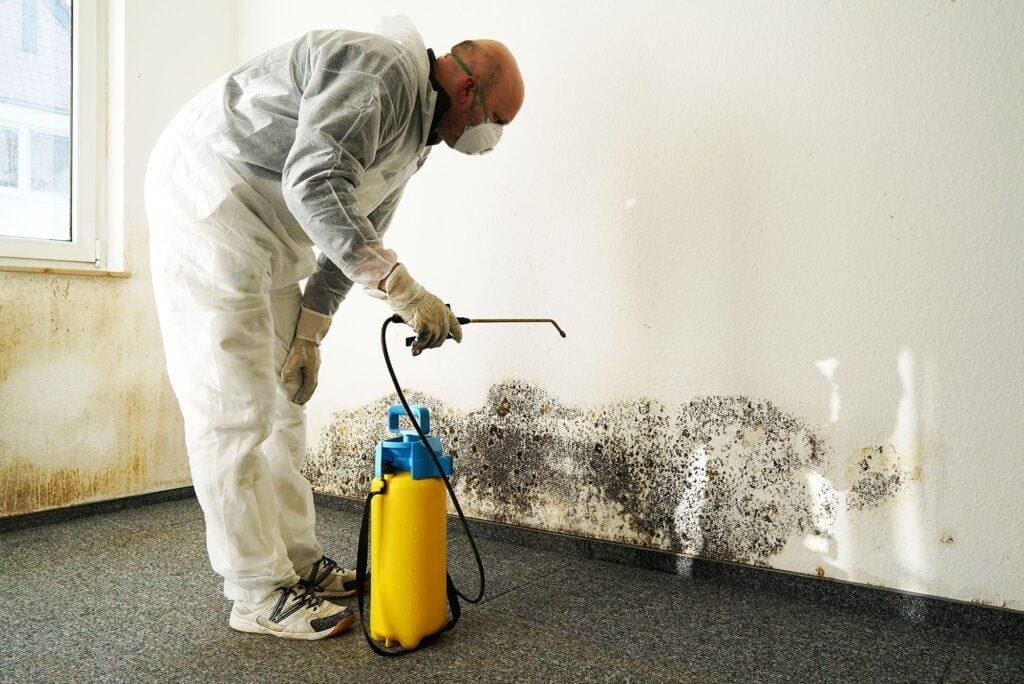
(35, 119)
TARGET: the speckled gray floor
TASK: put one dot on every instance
(128, 596)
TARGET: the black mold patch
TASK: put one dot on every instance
(880, 475)
(724, 477)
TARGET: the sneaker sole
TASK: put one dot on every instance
(249, 627)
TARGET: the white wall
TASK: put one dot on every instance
(86, 412)
(818, 204)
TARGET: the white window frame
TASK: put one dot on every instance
(88, 136)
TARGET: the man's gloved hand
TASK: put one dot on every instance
(426, 313)
(304, 354)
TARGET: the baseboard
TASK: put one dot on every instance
(923, 609)
(57, 515)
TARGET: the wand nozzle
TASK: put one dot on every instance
(514, 320)
(466, 321)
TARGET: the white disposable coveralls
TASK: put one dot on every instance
(310, 143)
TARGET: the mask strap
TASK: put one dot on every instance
(478, 91)
(462, 64)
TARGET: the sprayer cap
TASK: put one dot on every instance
(406, 452)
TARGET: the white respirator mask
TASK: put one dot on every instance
(482, 137)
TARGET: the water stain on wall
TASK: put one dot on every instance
(26, 487)
(722, 477)
(88, 414)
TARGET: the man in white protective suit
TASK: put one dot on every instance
(310, 144)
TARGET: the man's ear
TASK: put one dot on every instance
(466, 89)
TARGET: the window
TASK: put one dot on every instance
(51, 163)
(8, 157)
(51, 130)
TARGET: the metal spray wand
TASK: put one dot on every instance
(466, 321)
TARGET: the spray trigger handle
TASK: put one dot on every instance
(409, 340)
(461, 319)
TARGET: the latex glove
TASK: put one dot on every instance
(304, 354)
(425, 312)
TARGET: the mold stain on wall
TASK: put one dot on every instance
(721, 477)
(25, 486)
(878, 474)
(87, 414)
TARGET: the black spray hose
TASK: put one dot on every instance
(437, 461)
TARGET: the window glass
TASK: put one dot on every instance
(51, 163)
(8, 157)
(35, 119)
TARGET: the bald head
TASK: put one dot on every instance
(498, 72)
(495, 74)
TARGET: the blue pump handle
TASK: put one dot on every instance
(420, 413)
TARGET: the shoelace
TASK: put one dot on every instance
(304, 597)
(320, 571)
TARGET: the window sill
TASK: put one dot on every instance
(65, 269)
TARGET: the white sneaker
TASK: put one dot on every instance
(327, 580)
(293, 613)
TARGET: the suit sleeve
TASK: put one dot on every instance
(326, 288)
(343, 121)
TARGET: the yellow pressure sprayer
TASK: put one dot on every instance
(404, 528)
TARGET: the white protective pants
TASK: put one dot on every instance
(225, 276)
